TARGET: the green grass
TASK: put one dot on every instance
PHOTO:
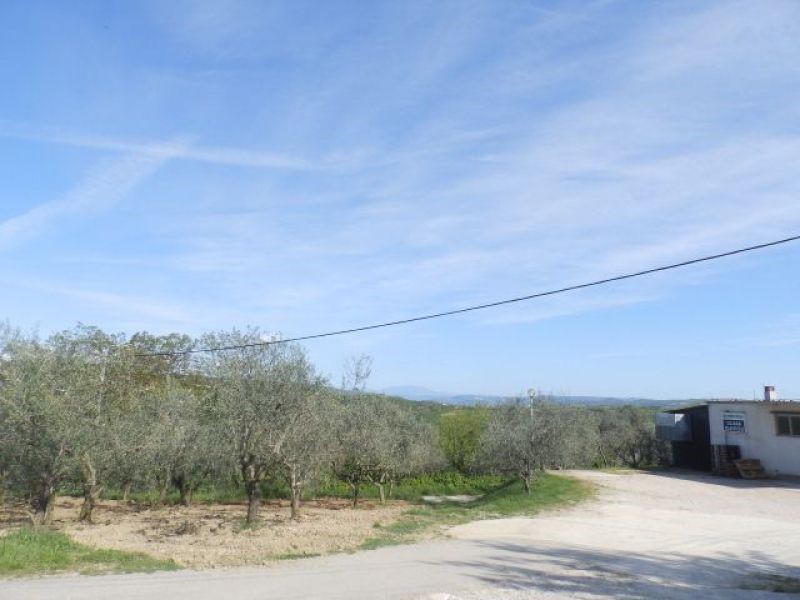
(504, 500)
(295, 555)
(410, 489)
(29, 552)
(380, 542)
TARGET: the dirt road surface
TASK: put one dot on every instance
(651, 536)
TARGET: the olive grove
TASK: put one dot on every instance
(84, 411)
(88, 413)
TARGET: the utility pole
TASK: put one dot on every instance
(531, 400)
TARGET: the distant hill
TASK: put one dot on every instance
(417, 393)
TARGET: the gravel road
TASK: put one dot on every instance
(671, 535)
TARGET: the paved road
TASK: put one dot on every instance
(647, 536)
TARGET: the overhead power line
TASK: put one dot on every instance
(457, 311)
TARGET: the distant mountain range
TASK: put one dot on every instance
(411, 392)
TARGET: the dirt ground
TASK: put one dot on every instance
(211, 535)
(664, 535)
(673, 534)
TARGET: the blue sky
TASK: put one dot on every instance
(306, 166)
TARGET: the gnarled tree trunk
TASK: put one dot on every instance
(42, 504)
(91, 489)
(253, 501)
(184, 489)
(527, 479)
(252, 477)
(382, 492)
(296, 488)
(163, 488)
(356, 487)
(126, 491)
(380, 483)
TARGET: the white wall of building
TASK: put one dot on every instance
(780, 455)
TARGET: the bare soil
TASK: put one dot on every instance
(664, 535)
(213, 535)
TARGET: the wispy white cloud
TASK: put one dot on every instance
(184, 150)
(119, 304)
(105, 185)
(133, 308)
(488, 153)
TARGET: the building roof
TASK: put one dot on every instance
(686, 408)
(773, 404)
(759, 402)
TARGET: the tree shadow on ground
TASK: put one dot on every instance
(581, 573)
(789, 483)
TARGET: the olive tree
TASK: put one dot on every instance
(380, 441)
(94, 382)
(405, 446)
(164, 441)
(6, 455)
(38, 423)
(354, 435)
(130, 443)
(307, 438)
(627, 437)
(377, 439)
(252, 402)
(526, 438)
(357, 438)
(7, 441)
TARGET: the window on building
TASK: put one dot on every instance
(787, 424)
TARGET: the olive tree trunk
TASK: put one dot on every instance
(252, 478)
(91, 489)
(253, 500)
(163, 488)
(356, 487)
(380, 483)
(42, 504)
(184, 489)
(382, 492)
(126, 491)
(296, 488)
(528, 478)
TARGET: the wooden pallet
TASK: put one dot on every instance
(750, 468)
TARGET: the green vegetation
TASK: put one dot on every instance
(506, 499)
(295, 555)
(410, 489)
(460, 433)
(27, 552)
(104, 415)
(98, 414)
(208, 494)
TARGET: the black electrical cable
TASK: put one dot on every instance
(457, 311)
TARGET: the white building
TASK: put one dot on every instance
(768, 430)
(712, 436)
